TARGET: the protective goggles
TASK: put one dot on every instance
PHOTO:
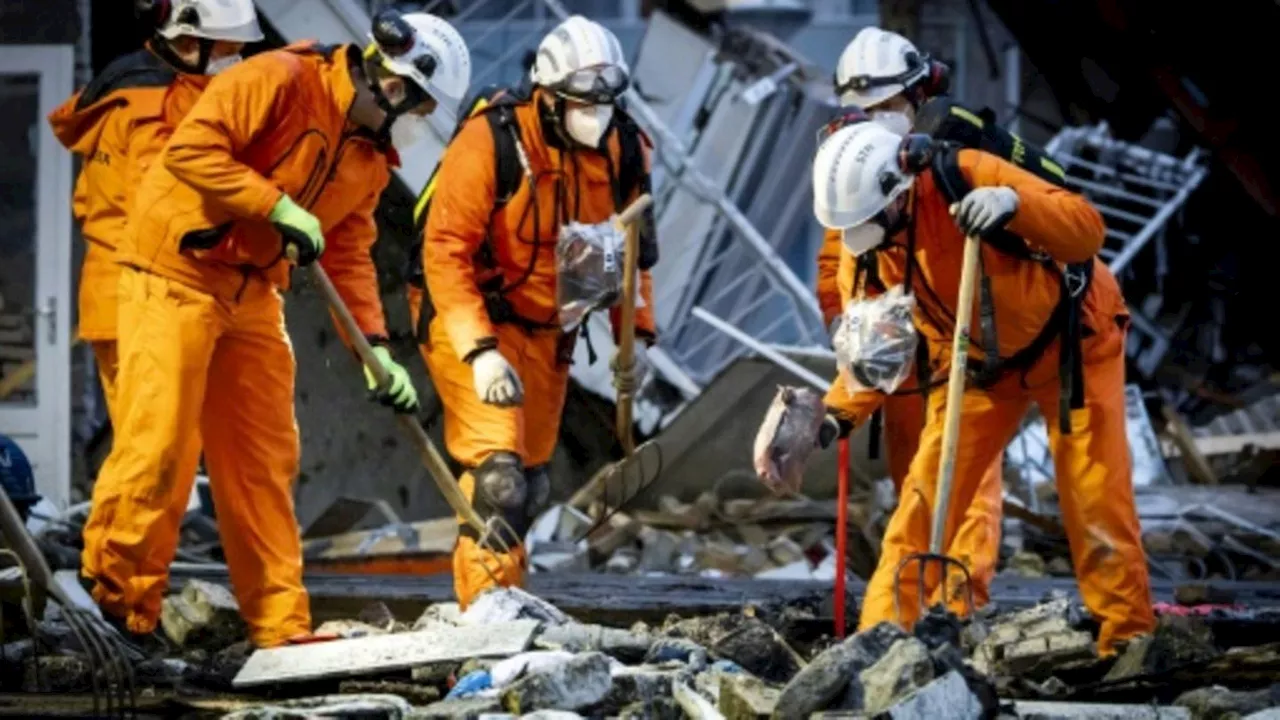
(862, 83)
(600, 85)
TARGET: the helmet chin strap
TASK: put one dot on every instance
(164, 49)
(390, 110)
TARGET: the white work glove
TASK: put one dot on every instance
(640, 366)
(985, 209)
(496, 381)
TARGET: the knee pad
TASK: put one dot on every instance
(501, 491)
(538, 482)
(500, 481)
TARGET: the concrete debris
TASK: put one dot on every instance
(637, 685)
(747, 641)
(623, 645)
(827, 676)
(743, 697)
(573, 685)
(464, 709)
(1040, 710)
(657, 709)
(905, 668)
(383, 706)
(1032, 640)
(507, 604)
(349, 629)
(203, 614)
(1220, 703)
(947, 697)
(439, 614)
(383, 653)
(378, 615)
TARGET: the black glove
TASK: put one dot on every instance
(833, 428)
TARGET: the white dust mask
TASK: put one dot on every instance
(588, 123)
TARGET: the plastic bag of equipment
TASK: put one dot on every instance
(588, 270)
(876, 341)
(788, 435)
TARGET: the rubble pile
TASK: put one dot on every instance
(767, 538)
(511, 654)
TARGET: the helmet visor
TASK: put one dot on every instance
(598, 85)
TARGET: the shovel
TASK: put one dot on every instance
(950, 443)
(639, 467)
(431, 458)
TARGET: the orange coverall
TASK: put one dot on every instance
(203, 346)
(977, 542)
(573, 185)
(1091, 464)
(117, 124)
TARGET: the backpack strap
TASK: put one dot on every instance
(633, 179)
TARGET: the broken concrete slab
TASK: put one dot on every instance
(574, 685)
(505, 604)
(743, 697)
(202, 614)
(1039, 637)
(1220, 703)
(827, 676)
(903, 669)
(947, 697)
(636, 685)
(383, 653)
(459, 709)
(744, 639)
(446, 613)
(626, 646)
(1049, 710)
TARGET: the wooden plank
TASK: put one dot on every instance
(1228, 444)
(382, 653)
(1197, 466)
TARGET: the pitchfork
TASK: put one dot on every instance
(106, 652)
(950, 443)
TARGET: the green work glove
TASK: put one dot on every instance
(399, 392)
(299, 229)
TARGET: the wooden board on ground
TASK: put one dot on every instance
(382, 653)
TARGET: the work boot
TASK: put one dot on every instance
(144, 645)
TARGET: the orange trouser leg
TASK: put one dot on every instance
(106, 357)
(987, 424)
(167, 338)
(977, 540)
(1093, 473)
(474, 430)
(252, 452)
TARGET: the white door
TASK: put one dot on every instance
(35, 263)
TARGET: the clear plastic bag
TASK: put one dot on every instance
(588, 270)
(876, 342)
(787, 437)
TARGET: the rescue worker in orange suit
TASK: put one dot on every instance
(117, 125)
(1038, 254)
(495, 349)
(284, 155)
(885, 75)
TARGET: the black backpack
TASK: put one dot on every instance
(952, 128)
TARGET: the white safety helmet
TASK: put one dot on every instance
(228, 20)
(856, 175)
(876, 65)
(581, 60)
(432, 55)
